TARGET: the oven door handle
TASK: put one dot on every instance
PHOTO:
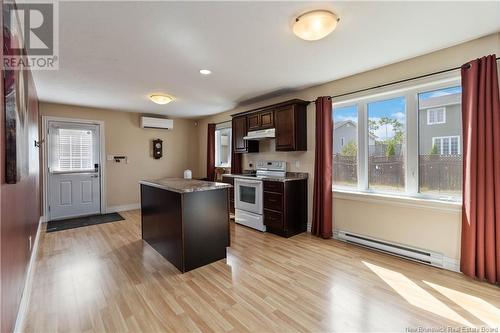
(249, 182)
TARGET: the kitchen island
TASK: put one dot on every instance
(186, 221)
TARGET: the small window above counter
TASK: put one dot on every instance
(288, 119)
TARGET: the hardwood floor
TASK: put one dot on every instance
(104, 278)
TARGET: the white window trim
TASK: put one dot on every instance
(429, 122)
(434, 138)
(410, 91)
(419, 201)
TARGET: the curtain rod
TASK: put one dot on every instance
(399, 81)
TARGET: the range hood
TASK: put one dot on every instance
(261, 134)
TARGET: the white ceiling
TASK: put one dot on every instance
(113, 54)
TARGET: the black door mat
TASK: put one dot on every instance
(82, 221)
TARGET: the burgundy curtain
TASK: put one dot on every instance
(322, 199)
(211, 152)
(480, 257)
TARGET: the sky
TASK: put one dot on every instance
(440, 92)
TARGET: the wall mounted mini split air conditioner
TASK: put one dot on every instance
(158, 123)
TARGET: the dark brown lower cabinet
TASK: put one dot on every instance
(285, 207)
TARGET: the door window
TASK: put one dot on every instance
(72, 149)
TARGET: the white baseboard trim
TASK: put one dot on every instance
(28, 283)
(122, 208)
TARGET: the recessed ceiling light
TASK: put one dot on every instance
(161, 98)
(205, 71)
(315, 25)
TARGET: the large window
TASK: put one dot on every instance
(403, 139)
(223, 145)
(345, 146)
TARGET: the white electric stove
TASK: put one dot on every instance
(248, 193)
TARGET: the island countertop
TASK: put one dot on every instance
(181, 185)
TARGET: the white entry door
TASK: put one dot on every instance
(74, 170)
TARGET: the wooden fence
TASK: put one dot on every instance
(345, 169)
(441, 172)
(386, 171)
(436, 172)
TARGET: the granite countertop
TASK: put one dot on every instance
(181, 185)
(290, 176)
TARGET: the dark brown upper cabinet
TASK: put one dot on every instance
(239, 130)
(266, 119)
(253, 121)
(289, 118)
(291, 127)
(260, 120)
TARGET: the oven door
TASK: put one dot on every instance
(248, 195)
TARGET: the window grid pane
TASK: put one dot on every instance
(440, 158)
(386, 132)
(345, 146)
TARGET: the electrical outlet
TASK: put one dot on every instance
(297, 164)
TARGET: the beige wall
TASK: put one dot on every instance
(432, 229)
(123, 136)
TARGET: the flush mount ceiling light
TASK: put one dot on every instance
(205, 71)
(315, 24)
(161, 98)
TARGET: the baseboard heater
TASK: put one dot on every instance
(423, 256)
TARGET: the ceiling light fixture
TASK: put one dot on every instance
(205, 71)
(161, 98)
(315, 24)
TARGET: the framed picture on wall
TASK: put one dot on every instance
(15, 105)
